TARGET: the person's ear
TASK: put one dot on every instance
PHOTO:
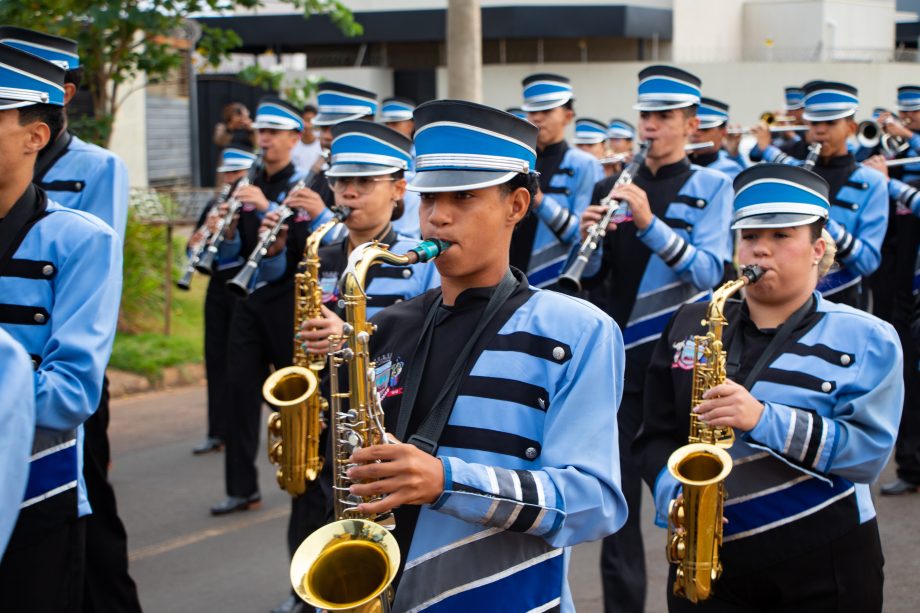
(569, 115)
(399, 189)
(520, 204)
(70, 90)
(693, 124)
(38, 136)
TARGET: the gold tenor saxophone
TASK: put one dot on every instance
(695, 522)
(294, 429)
(350, 563)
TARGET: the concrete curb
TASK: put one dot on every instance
(122, 383)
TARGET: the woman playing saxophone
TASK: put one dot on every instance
(813, 393)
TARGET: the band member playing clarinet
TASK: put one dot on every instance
(859, 211)
(504, 395)
(668, 246)
(813, 393)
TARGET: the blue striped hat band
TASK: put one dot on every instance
(711, 117)
(546, 94)
(235, 159)
(67, 61)
(336, 106)
(909, 98)
(795, 99)
(826, 104)
(395, 110)
(620, 129)
(275, 116)
(20, 87)
(777, 202)
(660, 92)
(589, 132)
(361, 149)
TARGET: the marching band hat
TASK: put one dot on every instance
(827, 100)
(396, 109)
(55, 49)
(517, 112)
(462, 145)
(274, 113)
(545, 91)
(363, 148)
(909, 98)
(234, 158)
(26, 79)
(712, 113)
(662, 88)
(339, 102)
(589, 131)
(795, 98)
(779, 196)
(620, 128)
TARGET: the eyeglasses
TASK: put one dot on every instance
(362, 185)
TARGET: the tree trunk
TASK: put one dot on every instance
(464, 50)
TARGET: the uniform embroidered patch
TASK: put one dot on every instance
(684, 352)
(389, 368)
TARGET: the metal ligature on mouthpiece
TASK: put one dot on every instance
(240, 284)
(185, 283)
(814, 152)
(570, 280)
(295, 426)
(695, 520)
(350, 563)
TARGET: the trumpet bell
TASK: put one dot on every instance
(868, 134)
(346, 566)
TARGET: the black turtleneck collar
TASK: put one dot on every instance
(704, 159)
(666, 171)
(553, 150)
(282, 175)
(838, 161)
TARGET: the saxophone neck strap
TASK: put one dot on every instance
(736, 347)
(426, 438)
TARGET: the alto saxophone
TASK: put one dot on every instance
(350, 563)
(294, 429)
(695, 522)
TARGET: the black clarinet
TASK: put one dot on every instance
(812, 158)
(570, 280)
(205, 264)
(185, 283)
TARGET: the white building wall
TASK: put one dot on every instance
(608, 90)
(129, 132)
(818, 30)
(707, 30)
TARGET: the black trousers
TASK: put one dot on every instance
(218, 312)
(844, 576)
(108, 586)
(42, 569)
(622, 553)
(261, 336)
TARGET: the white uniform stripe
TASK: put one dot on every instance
(49, 494)
(46, 452)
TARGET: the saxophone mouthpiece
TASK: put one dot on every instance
(428, 250)
(753, 273)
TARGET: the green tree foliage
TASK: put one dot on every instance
(120, 39)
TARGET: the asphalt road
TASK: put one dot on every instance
(185, 560)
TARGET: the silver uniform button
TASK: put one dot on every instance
(542, 403)
(531, 453)
(406, 273)
(39, 318)
(48, 270)
(342, 304)
(558, 353)
(826, 386)
(700, 203)
(845, 360)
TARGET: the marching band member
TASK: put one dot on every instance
(17, 423)
(590, 137)
(813, 392)
(396, 113)
(897, 280)
(219, 304)
(542, 242)
(61, 269)
(859, 211)
(906, 126)
(488, 503)
(260, 326)
(86, 177)
(667, 249)
(620, 136)
(789, 143)
(713, 116)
